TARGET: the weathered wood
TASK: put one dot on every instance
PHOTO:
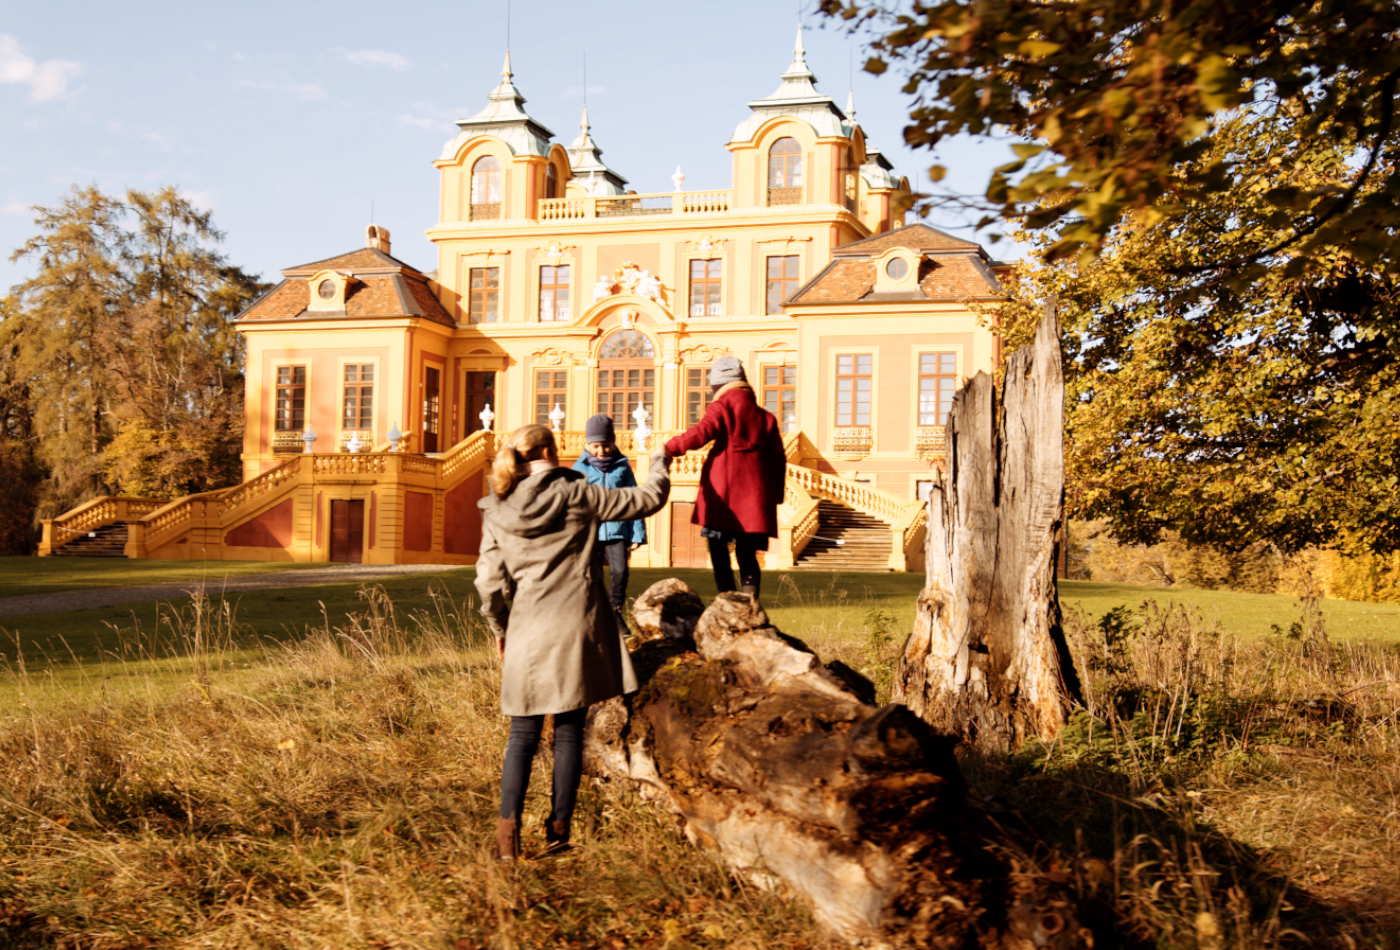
(775, 763)
(987, 659)
(668, 610)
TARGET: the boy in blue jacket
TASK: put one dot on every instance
(604, 465)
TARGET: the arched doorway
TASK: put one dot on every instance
(626, 377)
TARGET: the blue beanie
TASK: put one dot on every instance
(599, 428)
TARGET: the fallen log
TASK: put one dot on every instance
(776, 763)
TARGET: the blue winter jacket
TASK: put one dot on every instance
(619, 476)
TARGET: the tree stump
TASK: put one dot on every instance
(774, 762)
(987, 659)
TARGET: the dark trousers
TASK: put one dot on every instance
(745, 551)
(615, 554)
(568, 763)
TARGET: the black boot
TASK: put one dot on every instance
(556, 837)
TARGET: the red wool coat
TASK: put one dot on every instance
(741, 483)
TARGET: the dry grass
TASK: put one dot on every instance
(340, 791)
(343, 797)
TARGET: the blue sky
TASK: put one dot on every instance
(288, 119)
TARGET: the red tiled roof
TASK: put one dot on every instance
(364, 257)
(915, 236)
(948, 276)
(371, 296)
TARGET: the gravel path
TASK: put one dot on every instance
(98, 597)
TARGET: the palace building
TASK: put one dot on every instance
(376, 392)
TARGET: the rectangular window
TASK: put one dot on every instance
(622, 389)
(782, 282)
(704, 288)
(554, 293)
(778, 393)
(551, 389)
(432, 407)
(938, 380)
(484, 295)
(853, 389)
(291, 398)
(697, 393)
(358, 396)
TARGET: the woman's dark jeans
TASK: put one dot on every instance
(568, 763)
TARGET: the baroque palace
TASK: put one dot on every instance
(376, 392)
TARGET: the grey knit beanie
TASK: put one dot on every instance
(599, 428)
(727, 369)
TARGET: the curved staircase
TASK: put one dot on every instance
(865, 547)
(106, 541)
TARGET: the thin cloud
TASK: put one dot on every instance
(424, 116)
(576, 92)
(375, 58)
(16, 207)
(161, 141)
(47, 80)
(306, 92)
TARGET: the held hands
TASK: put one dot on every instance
(660, 453)
(635, 545)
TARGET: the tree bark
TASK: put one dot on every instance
(774, 762)
(987, 659)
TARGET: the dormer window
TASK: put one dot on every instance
(328, 289)
(486, 189)
(896, 271)
(785, 172)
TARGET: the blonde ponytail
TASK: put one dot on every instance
(524, 445)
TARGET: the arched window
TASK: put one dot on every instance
(785, 172)
(626, 378)
(486, 188)
(551, 182)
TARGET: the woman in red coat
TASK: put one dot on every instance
(741, 483)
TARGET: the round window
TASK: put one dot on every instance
(897, 268)
(326, 289)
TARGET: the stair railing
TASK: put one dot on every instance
(886, 506)
(97, 513)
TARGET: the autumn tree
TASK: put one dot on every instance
(123, 339)
(1110, 98)
(1231, 411)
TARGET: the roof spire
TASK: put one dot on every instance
(506, 74)
(583, 125)
(851, 106)
(799, 70)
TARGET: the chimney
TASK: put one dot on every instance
(377, 238)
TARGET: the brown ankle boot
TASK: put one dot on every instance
(507, 840)
(556, 837)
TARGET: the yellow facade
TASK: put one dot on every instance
(800, 269)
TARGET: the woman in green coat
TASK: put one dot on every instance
(560, 645)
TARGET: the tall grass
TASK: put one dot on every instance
(200, 788)
(339, 793)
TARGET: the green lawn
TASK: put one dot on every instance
(815, 606)
(44, 575)
(1248, 616)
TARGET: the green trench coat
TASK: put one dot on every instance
(564, 649)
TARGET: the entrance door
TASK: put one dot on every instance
(347, 531)
(477, 394)
(688, 548)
